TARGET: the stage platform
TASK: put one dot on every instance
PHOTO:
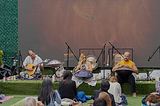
(28, 87)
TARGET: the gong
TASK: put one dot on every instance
(92, 59)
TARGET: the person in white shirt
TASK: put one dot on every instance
(115, 89)
(32, 58)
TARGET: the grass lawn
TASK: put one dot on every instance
(17, 100)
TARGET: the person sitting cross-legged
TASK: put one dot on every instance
(47, 94)
(105, 85)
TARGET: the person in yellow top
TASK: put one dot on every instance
(129, 78)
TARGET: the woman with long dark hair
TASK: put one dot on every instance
(67, 87)
(47, 94)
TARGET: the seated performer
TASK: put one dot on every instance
(35, 60)
(83, 72)
(83, 64)
(128, 78)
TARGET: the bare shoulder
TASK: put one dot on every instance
(88, 62)
(133, 63)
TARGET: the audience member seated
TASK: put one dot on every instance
(106, 97)
(99, 102)
(47, 94)
(104, 88)
(67, 87)
(115, 89)
(32, 102)
(152, 98)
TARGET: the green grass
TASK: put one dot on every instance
(17, 100)
(33, 88)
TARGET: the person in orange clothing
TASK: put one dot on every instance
(127, 63)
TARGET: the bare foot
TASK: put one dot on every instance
(134, 94)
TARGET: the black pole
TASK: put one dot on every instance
(68, 48)
(115, 49)
(67, 57)
(153, 53)
(19, 61)
(103, 61)
(101, 52)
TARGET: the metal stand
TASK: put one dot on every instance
(68, 48)
(150, 57)
(154, 53)
(19, 61)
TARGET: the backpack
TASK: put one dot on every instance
(124, 99)
(157, 86)
(2, 96)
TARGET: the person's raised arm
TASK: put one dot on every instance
(77, 67)
(41, 66)
(135, 68)
(25, 63)
(115, 67)
(89, 67)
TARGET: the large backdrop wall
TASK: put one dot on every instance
(45, 26)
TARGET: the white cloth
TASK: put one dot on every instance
(28, 60)
(91, 81)
(115, 89)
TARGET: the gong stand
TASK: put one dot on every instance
(69, 49)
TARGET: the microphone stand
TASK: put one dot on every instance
(19, 61)
(150, 56)
(103, 59)
(115, 49)
(112, 52)
(68, 48)
(154, 53)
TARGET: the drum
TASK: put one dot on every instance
(125, 71)
(83, 74)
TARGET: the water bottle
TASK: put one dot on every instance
(53, 78)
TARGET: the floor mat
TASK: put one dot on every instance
(6, 98)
